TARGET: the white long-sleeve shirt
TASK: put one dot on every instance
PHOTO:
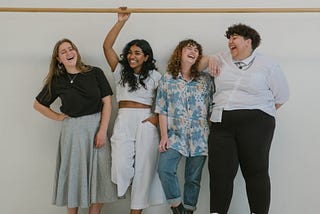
(260, 86)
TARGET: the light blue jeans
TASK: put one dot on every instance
(167, 169)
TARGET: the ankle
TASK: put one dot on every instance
(176, 204)
(132, 211)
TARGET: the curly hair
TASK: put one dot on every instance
(127, 73)
(247, 32)
(174, 65)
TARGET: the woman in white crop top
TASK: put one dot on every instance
(135, 136)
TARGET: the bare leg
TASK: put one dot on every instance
(135, 211)
(95, 208)
(73, 210)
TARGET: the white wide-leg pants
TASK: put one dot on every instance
(134, 152)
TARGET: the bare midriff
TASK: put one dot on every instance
(132, 104)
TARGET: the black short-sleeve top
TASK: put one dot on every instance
(81, 97)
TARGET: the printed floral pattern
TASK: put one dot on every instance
(187, 104)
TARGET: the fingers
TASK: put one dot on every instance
(61, 117)
(145, 120)
(162, 148)
(211, 72)
(100, 143)
(214, 71)
(123, 11)
(213, 67)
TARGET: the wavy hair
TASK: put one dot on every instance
(127, 73)
(174, 65)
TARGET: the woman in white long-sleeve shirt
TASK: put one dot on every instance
(249, 89)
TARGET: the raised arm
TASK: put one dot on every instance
(111, 56)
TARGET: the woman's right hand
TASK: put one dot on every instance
(48, 112)
(61, 117)
(163, 145)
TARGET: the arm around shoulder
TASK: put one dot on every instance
(211, 63)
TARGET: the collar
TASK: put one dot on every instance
(181, 77)
(248, 59)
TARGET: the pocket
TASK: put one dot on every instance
(151, 125)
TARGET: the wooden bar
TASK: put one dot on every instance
(160, 10)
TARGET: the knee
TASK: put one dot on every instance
(255, 172)
(164, 170)
(194, 178)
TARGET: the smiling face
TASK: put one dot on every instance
(189, 54)
(240, 48)
(136, 58)
(67, 55)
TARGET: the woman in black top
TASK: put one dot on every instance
(83, 161)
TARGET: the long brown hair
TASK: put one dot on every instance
(174, 65)
(57, 69)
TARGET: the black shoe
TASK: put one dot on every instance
(178, 210)
(188, 211)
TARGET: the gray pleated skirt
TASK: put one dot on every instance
(82, 171)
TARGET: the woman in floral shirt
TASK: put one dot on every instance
(183, 103)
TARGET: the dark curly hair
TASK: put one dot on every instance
(127, 73)
(247, 32)
(174, 65)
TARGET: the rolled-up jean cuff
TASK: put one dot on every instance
(188, 207)
(174, 200)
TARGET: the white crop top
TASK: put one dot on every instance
(141, 95)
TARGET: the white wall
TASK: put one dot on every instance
(29, 141)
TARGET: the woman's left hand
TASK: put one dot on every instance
(100, 139)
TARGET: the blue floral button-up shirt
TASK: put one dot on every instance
(187, 106)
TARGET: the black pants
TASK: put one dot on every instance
(242, 138)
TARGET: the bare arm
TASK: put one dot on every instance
(101, 136)
(203, 64)
(164, 142)
(211, 63)
(110, 54)
(48, 112)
